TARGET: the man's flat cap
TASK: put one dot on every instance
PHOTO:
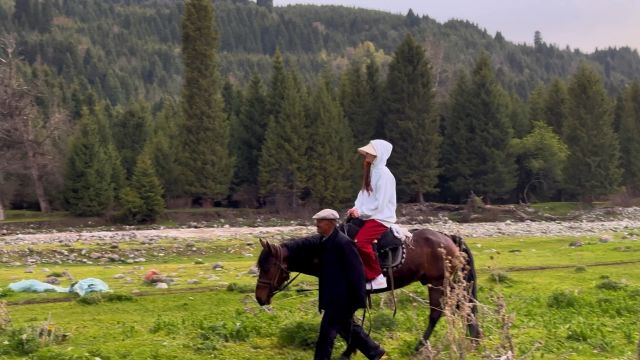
(327, 214)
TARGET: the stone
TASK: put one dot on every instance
(218, 266)
(52, 280)
(162, 285)
(95, 255)
(253, 271)
(118, 276)
(193, 281)
(605, 239)
(29, 270)
(576, 243)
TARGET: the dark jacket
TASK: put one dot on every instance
(342, 281)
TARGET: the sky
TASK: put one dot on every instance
(583, 24)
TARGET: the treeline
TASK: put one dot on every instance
(287, 141)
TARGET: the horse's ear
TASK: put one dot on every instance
(262, 243)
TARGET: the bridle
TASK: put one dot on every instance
(282, 272)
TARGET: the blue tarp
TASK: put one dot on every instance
(82, 287)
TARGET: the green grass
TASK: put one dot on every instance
(559, 208)
(19, 216)
(571, 313)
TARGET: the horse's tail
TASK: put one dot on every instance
(471, 276)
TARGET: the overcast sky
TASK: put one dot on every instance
(583, 24)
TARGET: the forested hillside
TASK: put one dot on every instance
(125, 107)
(124, 49)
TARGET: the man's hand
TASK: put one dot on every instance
(353, 213)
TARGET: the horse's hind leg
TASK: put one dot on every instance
(473, 326)
(435, 303)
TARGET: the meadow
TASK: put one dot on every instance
(562, 302)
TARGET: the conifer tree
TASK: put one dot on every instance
(478, 134)
(331, 157)
(283, 161)
(205, 160)
(356, 103)
(88, 187)
(249, 133)
(630, 137)
(163, 147)
(593, 163)
(143, 201)
(277, 86)
(555, 106)
(410, 121)
(131, 130)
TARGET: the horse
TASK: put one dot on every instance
(427, 261)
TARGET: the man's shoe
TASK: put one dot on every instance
(378, 283)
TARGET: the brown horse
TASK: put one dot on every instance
(425, 262)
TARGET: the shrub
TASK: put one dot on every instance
(499, 277)
(90, 299)
(562, 300)
(241, 288)
(300, 334)
(580, 269)
(608, 284)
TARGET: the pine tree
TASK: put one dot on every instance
(131, 130)
(518, 116)
(143, 198)
(88, 188)
(630, 137)
(163, 147)
(593, 163)
(411, 124)
(283, 162)
(331, 157)
(250, 132)
(206, 164)
(477, 137)
(277, 86)
(555, 106)
(375, 89)
(536, 104)
(356, 102)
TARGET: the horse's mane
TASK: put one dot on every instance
(298, 248)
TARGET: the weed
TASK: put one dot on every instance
(300, 334)
(608, 284)
(562, 299)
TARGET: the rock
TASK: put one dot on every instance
(605, 239)
(198, 262)
(95, 255)
(135, 292)
(253, 271)
(46, 270)
(162, 285)
(118, 276)
(218, 266)
(212, 277)
(193, 281)
(114, 257)
(29, 270)
(52, 280)
(576, 243)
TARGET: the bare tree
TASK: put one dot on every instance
(23, 128)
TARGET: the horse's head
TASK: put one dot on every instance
(273, 271)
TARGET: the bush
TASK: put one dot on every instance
(167, 326)
(300, 334)
(499, 277)
(562, 300)
(608, 284)
(580, 269)
(5, 292)
(90, 299)
(118, 297)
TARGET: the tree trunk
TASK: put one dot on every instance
(1, 210)
(37, 179)
(420, 197)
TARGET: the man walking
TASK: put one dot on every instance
(341, 291)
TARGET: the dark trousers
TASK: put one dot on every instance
(334, 324)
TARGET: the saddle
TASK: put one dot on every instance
(391, 250)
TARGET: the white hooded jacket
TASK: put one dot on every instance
(380, 204)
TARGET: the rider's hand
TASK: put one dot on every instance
(353, 212)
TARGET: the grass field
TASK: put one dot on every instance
(581, 310)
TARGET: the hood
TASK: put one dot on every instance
(383, 149)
